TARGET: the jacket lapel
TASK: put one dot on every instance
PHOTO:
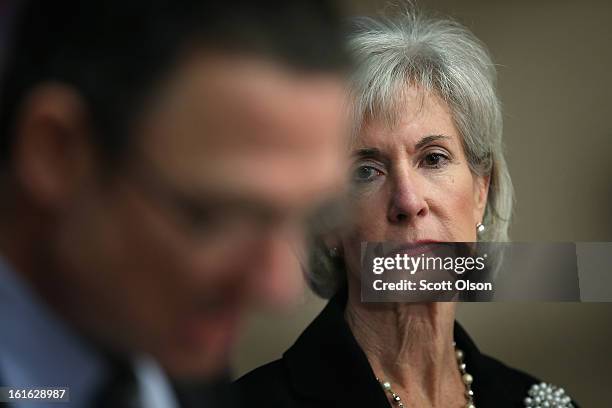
(327, 364)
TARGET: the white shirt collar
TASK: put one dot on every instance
(37, 348)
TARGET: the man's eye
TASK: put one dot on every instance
(435, 160)
(366, 173)
(198, 219)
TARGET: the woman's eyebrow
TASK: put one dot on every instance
(429, 139)
(375, 153)
(367, 153)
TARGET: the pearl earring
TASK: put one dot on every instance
(480, 228)
(333, 252)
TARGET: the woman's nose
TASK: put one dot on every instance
(407, 202)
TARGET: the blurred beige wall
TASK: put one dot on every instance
(555, 63)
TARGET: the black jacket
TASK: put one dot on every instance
(327, 368)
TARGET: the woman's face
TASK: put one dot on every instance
(412, 182)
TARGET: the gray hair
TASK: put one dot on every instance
(438, 56)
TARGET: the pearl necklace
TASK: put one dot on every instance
(465, 377)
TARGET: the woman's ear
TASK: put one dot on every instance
(333, 243)
(481, 195)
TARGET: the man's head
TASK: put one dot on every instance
(159, 158)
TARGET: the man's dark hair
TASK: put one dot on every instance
(114, 51)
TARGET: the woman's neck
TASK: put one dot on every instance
(411, 346)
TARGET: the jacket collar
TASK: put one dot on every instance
(326, 363)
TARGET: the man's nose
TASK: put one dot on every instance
(407, 199)
(277, 279)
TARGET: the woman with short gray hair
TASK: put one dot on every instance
(428, 168)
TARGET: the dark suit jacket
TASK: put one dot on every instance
(327, 368)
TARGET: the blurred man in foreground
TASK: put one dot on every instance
(158, 160)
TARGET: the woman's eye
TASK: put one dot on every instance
(366, 173)
(435, 160)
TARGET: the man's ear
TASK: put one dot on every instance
(481, 195)
(52, 155)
